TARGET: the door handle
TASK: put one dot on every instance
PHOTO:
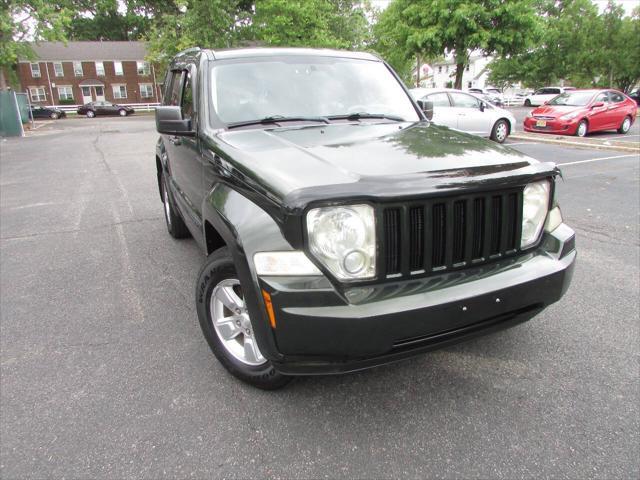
(175, 140)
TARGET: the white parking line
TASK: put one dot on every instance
(598, 159)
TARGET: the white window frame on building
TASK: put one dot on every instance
(77, 69)
(143, 67)
(100, 69)
(58, 69)
(65, 92)
(35, 70)
(118, 90)
(38, 94)
(146, 90)
(117, 68)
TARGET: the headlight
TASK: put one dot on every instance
(534, 211)
(569, 116)
(344, 240)
(284, 263)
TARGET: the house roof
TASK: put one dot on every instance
(49, 51)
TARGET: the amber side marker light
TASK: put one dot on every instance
(269, 305)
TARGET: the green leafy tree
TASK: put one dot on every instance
(24, 21)
(311, 23)
(572, 29)
(437, 27)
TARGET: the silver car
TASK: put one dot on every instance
(467, 112)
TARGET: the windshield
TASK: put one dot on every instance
(306, 87)
(573, 99)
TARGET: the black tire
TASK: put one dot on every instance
(500, 131)
(91, 113)
(218, 267)
(54, 116)
(527, 103)
(583, 128)
(625, 126)
(175, 224)
(122, 112)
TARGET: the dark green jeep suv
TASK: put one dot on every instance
(342, 229)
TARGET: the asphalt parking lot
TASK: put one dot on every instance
(105, 374)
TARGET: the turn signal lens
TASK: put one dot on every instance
(269, 305)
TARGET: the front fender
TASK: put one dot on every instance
(246, 229)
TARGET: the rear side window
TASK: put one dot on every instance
(616, 97)
(438, 99)
(554, 91)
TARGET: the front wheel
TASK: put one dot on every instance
(500, 131)
(175, 224)
(91, 113)
(583, 128)
(226, 325)
(626, 125)
(53, 115)
(527, 103)
(122, 112)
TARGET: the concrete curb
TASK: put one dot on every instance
(590, 144)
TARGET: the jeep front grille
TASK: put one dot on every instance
(419, 238)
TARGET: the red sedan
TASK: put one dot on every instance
(579, 112)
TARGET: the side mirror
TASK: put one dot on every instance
(597, 105)
(482, 106)
(170, 122)
(427, 107)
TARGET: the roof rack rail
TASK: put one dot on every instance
(188, 51)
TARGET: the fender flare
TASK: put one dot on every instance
(246, 229)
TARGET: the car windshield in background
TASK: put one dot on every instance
(314, 88)
(572, 99)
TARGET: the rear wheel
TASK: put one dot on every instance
(626, 125)
(527, 103)
(583, 128)
(122, 112)
(91, 113)
(175, 224)
(500, 131)
(53, 115)
(226, 324)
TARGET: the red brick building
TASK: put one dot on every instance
(82, 72)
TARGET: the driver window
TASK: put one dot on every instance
(187, 98)
(461, 100)
(603, 97)
(438, 99)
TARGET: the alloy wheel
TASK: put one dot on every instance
(501, 132)
(231, 322)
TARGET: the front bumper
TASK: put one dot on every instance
(320, 330)
(556, 126)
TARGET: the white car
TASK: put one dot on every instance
(542, 95)
(467, 112)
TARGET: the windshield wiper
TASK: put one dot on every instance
(277, 119)
(363, 115)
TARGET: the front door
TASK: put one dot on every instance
(443, 114)
(599, 116)
(86, 95)
(470, 118)
(99, 94)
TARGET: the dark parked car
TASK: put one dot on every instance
(104, 108)
(46, 112)
(342, 229)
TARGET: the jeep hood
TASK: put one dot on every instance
(295, 166)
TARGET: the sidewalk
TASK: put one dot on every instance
(605, 143)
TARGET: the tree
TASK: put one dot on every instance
(458, 27)
(311, 23)
(24, 21)
(566, 48)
